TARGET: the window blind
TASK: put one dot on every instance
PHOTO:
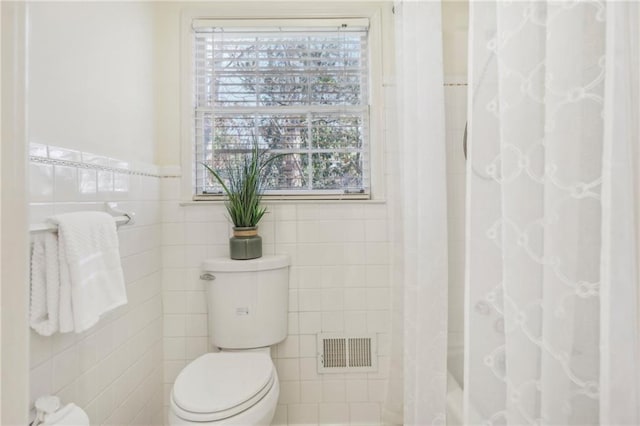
(291, 89)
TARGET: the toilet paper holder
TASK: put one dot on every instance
(45, 405)
(50, 411)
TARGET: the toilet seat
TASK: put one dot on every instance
(220, 385)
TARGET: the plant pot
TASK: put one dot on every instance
(245, 244)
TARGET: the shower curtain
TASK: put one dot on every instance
(551, 273)
(417, 391)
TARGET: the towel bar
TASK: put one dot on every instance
(121, 217)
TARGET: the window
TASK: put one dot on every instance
(294, 87)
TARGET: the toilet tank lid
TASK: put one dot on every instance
(264, 263)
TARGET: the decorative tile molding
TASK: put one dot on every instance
(455, 80)
(56, 156)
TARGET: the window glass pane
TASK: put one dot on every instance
(337, 171)
(289, 172)
(294, 93)
(288, 132)
(336, 131)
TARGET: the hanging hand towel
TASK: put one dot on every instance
(90, 263)
(45, 285)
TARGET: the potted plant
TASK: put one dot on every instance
(243, 184)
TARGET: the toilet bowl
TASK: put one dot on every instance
(225, 388)
(247, 302)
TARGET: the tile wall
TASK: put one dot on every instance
(339, 281)
(455, 92)
(114, 370)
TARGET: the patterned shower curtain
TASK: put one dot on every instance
(552, 273)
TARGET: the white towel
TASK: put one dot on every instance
(90, 263)
(45, 286)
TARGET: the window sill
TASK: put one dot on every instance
(267, 201)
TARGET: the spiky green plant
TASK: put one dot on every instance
(245, 187)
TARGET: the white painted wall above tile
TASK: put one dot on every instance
(91, 77)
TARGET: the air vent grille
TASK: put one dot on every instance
(360, 352)
(334, 353)
(341, 353)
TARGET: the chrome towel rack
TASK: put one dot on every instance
(121, 218)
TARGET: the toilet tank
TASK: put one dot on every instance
(247, 301)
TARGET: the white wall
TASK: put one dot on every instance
(455, 29)
(91, 77)
(91, 125)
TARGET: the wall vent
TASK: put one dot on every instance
(340, 353)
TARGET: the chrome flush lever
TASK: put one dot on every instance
(207, 277)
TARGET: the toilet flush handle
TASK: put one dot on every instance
(207, 276)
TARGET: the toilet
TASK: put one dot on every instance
(247, 302)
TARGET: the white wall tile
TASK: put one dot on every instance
(65, 367)
(41, 182)
(376, 230)
(357, 390)
(332, 322)
(303, 414)
(377, 276)
(310, 322)
(378, 321)
(309, 300)
(333, 390)
(288, 369)
(355, 299)
(361, 413)
(355, 321)
(309, 277)
(377, 390)
(173, 234)
(293, 323)
(171, 212)
(85, 368)
(105, 185)
(309, 369)
(196, 346)
(41, 381)
(280, 417)
(174, 348)
(307, 345)
(377, 298)
(289, 348)
(65, 183)
(196, 302)
(289, 392)
(310, 391)
(40, 350)
(69, 392)
(332, 299)
(286, 232)
(377, 253)
(354, 275)
(333, 413)
(174, 302)
(196, 325)
(376, 212)
(172, 369)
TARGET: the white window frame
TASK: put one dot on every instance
(302, 10)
